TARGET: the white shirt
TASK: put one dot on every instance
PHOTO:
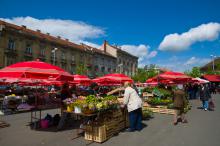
(132, 99)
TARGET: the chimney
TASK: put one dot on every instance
(48, 33)
(105, 43)
(58, 37)
(38, 30)
(23, 26)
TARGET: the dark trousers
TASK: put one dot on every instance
(135, 118)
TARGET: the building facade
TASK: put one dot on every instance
(18, 43)
(126, 63)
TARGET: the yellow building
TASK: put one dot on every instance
(18, 43)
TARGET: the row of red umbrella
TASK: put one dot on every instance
(41, 73)
(170, 78)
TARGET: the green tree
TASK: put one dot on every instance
(195, 72)
(81, 69)
(145, 73)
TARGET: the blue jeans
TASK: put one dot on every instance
(205, 104)
(135, 118)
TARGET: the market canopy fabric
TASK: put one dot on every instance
(200, 81)
(35, 70)
(169, 78)
(82, 79)
(212, 78)
(173, 75)
(112, 79)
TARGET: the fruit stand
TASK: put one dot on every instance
(158, 101)
(101, 117)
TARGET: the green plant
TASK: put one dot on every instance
(158, 101)
(147, 113)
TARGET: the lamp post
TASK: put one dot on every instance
(213, 62)
(54, 55)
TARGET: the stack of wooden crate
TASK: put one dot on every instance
(106, 129)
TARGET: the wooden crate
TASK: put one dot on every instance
(95, 133)
(162, 110)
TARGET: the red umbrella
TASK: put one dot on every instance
(103, 81)
(173, 75)
(119, 78)
(212, 78)
(81, 79)
(35, 70)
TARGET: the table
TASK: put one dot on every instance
(39, 108)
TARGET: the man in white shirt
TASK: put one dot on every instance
(134, 105)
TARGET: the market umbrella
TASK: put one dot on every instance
(103, 81)
(199, 80)
(176, 77)
(212, 78)
(82, 79)
(35, 70)
(118, 78)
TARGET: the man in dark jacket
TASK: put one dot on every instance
(205, 95)
(179, 102)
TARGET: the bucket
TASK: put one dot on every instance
(77, 109)
(44, 124)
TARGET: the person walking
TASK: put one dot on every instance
(179, 102)
(205, 95)
(134, 105)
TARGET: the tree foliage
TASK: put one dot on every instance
(81, 69)
(144, 73)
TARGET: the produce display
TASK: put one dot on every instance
(91, 104)
(159, 101)
(146, 113)
(163, 93)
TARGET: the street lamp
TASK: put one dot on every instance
(54, 55)
(120, 65)
(213, 62)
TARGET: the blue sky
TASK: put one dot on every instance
(138, 26)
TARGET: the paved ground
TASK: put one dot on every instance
(203, 129)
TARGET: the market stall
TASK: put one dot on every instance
(101, 117)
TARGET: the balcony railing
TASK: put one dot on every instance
(11, 51)
(28, 54)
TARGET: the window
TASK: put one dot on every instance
(96, 68)
(103, 69)
(11, 44)
(63, 55)
(42, 52)
(28, 49)
(73, 58)
(73, 69)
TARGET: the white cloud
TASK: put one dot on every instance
(193, 61)
(152, 54)
(91, 44)
(142, 51)
(75, 31)
(182, 64)
(179, 42)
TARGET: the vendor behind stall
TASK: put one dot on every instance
(134, 105)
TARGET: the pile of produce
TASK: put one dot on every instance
(159, 101)
(147, 114)
(164, 93)
(91, 104)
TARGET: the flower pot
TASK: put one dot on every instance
(69, 108)
(77, 109)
